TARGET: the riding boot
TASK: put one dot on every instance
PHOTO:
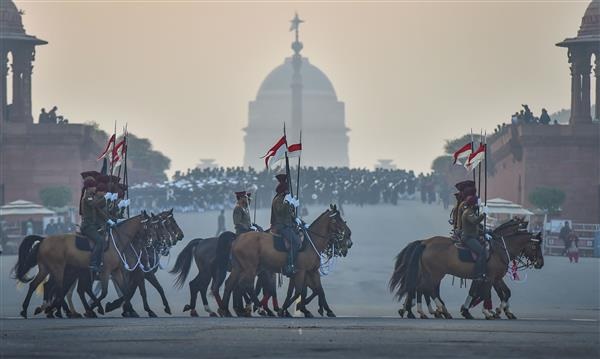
(96, 258)
(290, 269)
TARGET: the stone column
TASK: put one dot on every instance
(16, 107)
(28, 57)
(3, 84)
(22, 69)
(575, 85)
(597, 71)
(586, 108)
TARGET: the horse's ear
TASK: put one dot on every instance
(171, 211)
(152, 214)
(335, 207)
(331, 206)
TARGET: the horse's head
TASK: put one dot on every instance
(163, 237)
(170, 224)
(533, 251)
(341, 235)
(148, 234)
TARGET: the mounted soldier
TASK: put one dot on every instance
(471, 232)
(241, 214)
(283, 221)
(94, 216)
(465, 189)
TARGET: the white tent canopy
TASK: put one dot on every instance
(21, 207)
(502, 206)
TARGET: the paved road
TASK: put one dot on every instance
(295, 338)
(558, 309)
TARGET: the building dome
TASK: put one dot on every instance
(10, 18)
(279, 81)
(590, 23)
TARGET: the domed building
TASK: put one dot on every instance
(305, 100)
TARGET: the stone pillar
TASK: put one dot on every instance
(28, 57)
(17, 103)
(22, 69)
(3, 85)
(597, 71)
(580, 85)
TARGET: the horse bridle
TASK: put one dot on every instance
(522, 259)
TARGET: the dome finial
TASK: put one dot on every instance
(295, 26)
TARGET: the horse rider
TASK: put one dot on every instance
(471, 232)
(465, 189)
(241, 214)
(283, 221)
(94, 217)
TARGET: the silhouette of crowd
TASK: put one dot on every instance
(199, 190)
(51, 117)
(526, 116)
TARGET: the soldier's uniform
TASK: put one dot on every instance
(466, 188)
(470, 234)
(94, 217)
(283, 222)
(241, 215)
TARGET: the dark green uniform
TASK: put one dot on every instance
(283, 223)
(241, 220)
(93, 219)
(470, 237)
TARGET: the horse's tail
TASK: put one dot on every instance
(184, 262)
(27, 259)
(412, 274)
(397, 281)
(221, 265)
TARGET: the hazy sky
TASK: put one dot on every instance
(412, 74)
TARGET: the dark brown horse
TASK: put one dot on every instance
(431, 259)
(254, 250)
(54, 253)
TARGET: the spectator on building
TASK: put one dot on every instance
(544, 117)
(573, 250)
(43, 118)
(563, 235)
(52, 117)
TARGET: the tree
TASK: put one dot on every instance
(442, 164)
(56, 196)
(547, 198)
(143, 156)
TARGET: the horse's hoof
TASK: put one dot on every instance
(447, 315)
(37, 311)
(110, 306)
(269, 312)
(134, 314)
(193, 313)
(213, 315)
(331, 314)
(23, 314)
(262, 312)
(58, 314)
(50, 315)
(465, 313)
(90, 314)
(496, 316)
(185, 308)
(308, 314)
(151, 314)
(225, 313)
(75, 315)
(410, 315)
(511, 316)
(423, 316)
(401, 312)
(320, 311)
(168, 310)
(100, 309)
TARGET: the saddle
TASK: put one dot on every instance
(282, 244)
(83, 243)
(465, 254)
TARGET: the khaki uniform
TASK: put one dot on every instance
(94, 217)
(470, 222)
(241, 220)
(282, 213)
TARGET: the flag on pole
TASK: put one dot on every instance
(464, 152)
(111, 142)
(276, 153)
(118, 153)
(475, 158)
(294, 150)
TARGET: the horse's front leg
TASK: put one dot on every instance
(298, 287)
(504, 293)
(151, 278)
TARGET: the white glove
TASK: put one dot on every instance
(115, 196)
(292, 200)
(108, 196)
(120, 220)
(485, 210)
(298, 221)
(253, 228)
(111, 223)
(488, 237)
(123, 204)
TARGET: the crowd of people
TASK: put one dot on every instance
(199, 190)
(51, 117)
(526, 116)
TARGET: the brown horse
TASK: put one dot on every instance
(254, 250)
(54, 253)
(431, 259)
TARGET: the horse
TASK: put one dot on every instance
(431, 259)
(168, 233)
(254, 250)
(53, 254)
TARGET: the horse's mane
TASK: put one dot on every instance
(513, 222)
(320, 216)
